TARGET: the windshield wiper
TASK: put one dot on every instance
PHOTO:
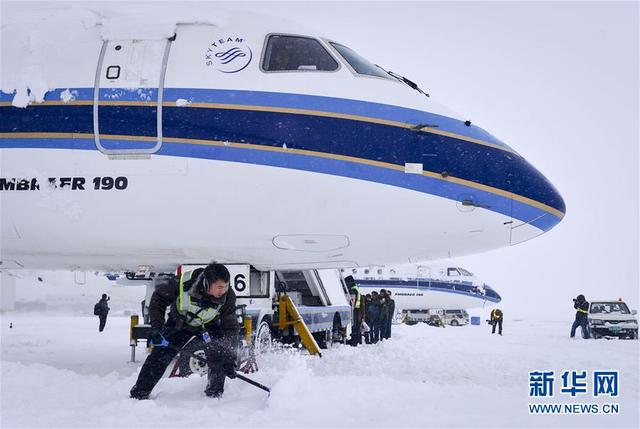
(410, 83)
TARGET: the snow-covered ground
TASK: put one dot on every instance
(59, 371)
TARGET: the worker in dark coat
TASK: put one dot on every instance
(582, 310)
(101, 309)
(373, 314)
(202, 305)
(385, 309)
(367, 318)
(496, 320)
(392, 312)
(358, 311)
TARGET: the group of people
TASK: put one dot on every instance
(372, 314)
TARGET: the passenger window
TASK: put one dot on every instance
(296, 53)
(359, 64)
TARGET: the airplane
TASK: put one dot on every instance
(437, 285)
(136, 145)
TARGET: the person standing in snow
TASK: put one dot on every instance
(358, 311)
(202, 304)
(385, 306)
(101, 309)
(374, 311)
(582, 309)
(496, 320)
(392, 312)
(367, 318)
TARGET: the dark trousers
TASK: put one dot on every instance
(498, 323)
(582, 322)
(157, 362)
(382, 327)
(389, 323)
(375, 331)
(103, 322)
(367, 335)
(356, 335)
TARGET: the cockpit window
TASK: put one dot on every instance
(451, 272)
(465, 272)
(359, 64)
(296, 53)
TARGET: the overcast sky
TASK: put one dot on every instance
(556, 81)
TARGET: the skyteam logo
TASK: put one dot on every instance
(228, 55)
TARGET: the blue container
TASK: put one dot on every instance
(475, 320)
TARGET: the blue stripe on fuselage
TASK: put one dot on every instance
(281, 100)
(376, 142)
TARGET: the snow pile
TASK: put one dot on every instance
(60, 372)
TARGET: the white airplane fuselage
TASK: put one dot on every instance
(169, 151)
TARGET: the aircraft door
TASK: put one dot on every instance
(128, 94)
(424, 275)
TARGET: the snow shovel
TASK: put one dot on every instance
(241, 377)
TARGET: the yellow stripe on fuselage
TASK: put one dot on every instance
(305, 152)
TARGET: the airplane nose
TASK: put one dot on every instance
(482, 172)
(492, 294)
(537, 204)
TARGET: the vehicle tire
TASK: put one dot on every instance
(187, 364)
(263, 338)
(411, 322)
(454, 322)
(321, 339)
(337, 333)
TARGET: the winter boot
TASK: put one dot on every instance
(139, 394)
(215, 384)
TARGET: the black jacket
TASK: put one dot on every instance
(225, 325)
(496, 314)
(373, 309)
(103, 307)
(581, 305)
(385, 309)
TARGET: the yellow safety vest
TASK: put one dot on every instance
(193, 314)
(357, 289)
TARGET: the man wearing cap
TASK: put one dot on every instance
(202, 305)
